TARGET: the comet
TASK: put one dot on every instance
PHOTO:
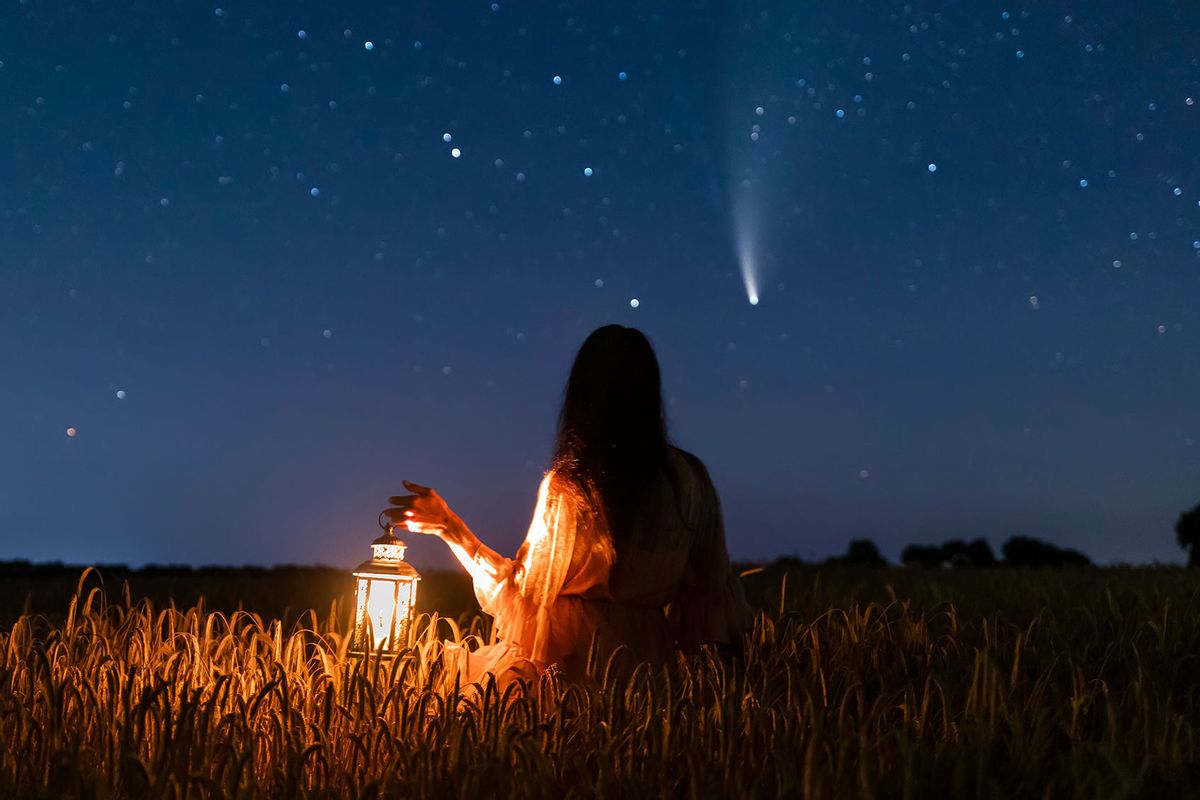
(746, 237)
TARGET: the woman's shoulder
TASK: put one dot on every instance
(560, 485)
(689, 464)
(692, 481)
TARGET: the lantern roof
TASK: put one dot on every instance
(387, 560)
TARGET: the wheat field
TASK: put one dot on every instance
(884, 683)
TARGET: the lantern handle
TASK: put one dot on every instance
(389, 527)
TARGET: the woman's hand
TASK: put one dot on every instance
(424, 511)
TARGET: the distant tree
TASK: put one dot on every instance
(979, 553)
(1025, 551)
(955, 553)
(919, 555)
(861, 552)
(1187, 533)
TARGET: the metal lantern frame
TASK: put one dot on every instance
(386, 571)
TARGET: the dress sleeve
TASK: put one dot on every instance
(710, 607)
(519, 591)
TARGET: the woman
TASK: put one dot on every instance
(626, 545)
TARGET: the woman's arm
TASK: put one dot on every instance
(538, 571)
(424, 511)
(523, 593)
(487, 568)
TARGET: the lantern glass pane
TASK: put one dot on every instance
(360, 612)
(381, 609)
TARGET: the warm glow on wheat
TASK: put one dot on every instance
(1026, 679)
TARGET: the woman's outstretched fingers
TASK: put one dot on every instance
(423, 511)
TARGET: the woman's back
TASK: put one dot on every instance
(652, 558)
(675, 559)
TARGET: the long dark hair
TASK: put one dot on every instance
(612, 431)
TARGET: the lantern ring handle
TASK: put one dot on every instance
(384, 525)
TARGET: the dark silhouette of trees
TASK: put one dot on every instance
(919, 555)
(1025, 551)
(980, 554)
(1187, 533)
(977, 553)
(861, 553)
(1019, 551)
(954, 553)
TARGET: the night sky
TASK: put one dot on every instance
(259, 262)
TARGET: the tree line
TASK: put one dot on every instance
(1187, 533)
(1018, 551)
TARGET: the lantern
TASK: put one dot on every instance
(385, 594)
